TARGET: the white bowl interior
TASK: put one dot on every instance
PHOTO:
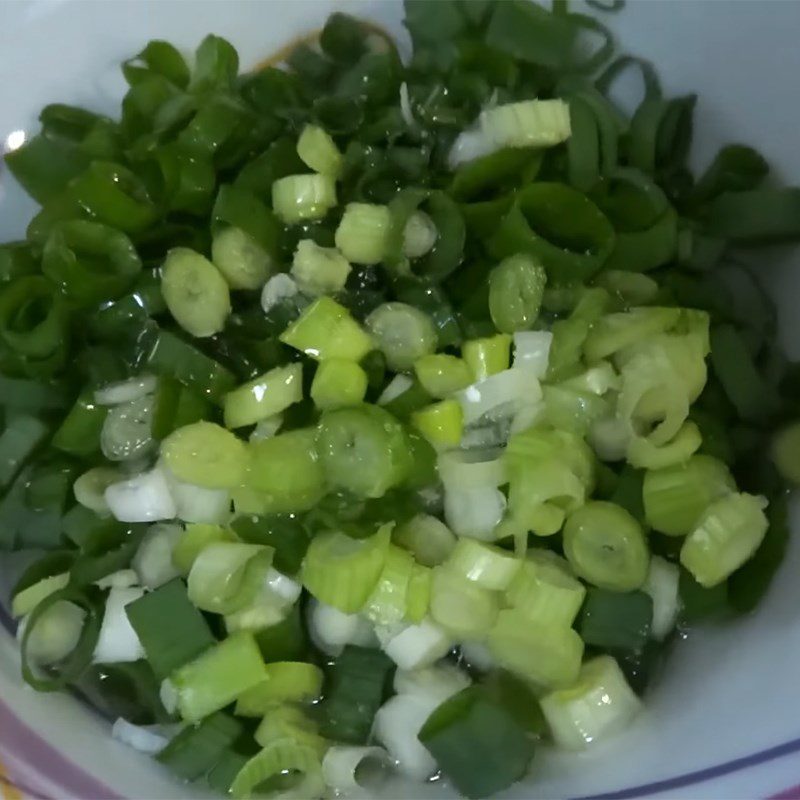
(727, 694)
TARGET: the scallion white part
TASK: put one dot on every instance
(126, 432)
(118, 641)
(319, 270)
(478, 656)
(526, 417)
(143, 498)
(472, 469)
(474, 512)
(501, 395)
(56, 634)
(469, 145)
(197, 503)
(331, 630)
(283, 587)
(600, 703)
(610, 437)
(405, 107)
(153, 559)
(437, 683)
(122, 579)
(125, 391)
(149, 739)
(532, 351)
(278, 288)
(355, 771)
(419, 235)
(397, 725)
(396, 386)
(662, 586)
(266, 428)
(415, 646)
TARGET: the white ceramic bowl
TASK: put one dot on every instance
(724, 721)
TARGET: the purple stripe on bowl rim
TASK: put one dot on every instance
(701, 775)
(27, 747)
(792, 793)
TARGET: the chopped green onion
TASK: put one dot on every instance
(530, 123)
(487, 566)
(616, 620)
(284, 681)
(284, 474)
(264, 396)
(172, 631)
(388, 603)
(240, 258)
(545, 590)
(419, 235)
(18, 442)
(461, 606)
(326, 330)
(338, 383)
(516, 286)
(195, 292)
(442, 423)
(56, 633)
(193, 540)
(477, 743)
(363, 234)
(487, 356)
(319, 152)
(279, 759)
(226, 576)
(642, 453)
(600, 703)
(662, 585)
(25, 600)
(605, 545)
(197, 747)
(427, 537)
(403, 333)
(343, 572)
(319, 270)
(206, 455)
(363, 450)
(547, 653)
(300, 197)
(441, 374)
(356, 684)
(726, 536)
(675, 497)
(218, 676)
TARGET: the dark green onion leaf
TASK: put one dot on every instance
(745, 387)
(477, 743)
(561, 227)
(90, 262)
(284, 641)
(242, 209)
(18, 443)
(356, 684)
(44, 166)
(58, 676)
(216, 65)
(759, 216)
(198, 748)
(615, 620)
(285, 533)
(531, 33)
(172, 631)
(157, 58)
